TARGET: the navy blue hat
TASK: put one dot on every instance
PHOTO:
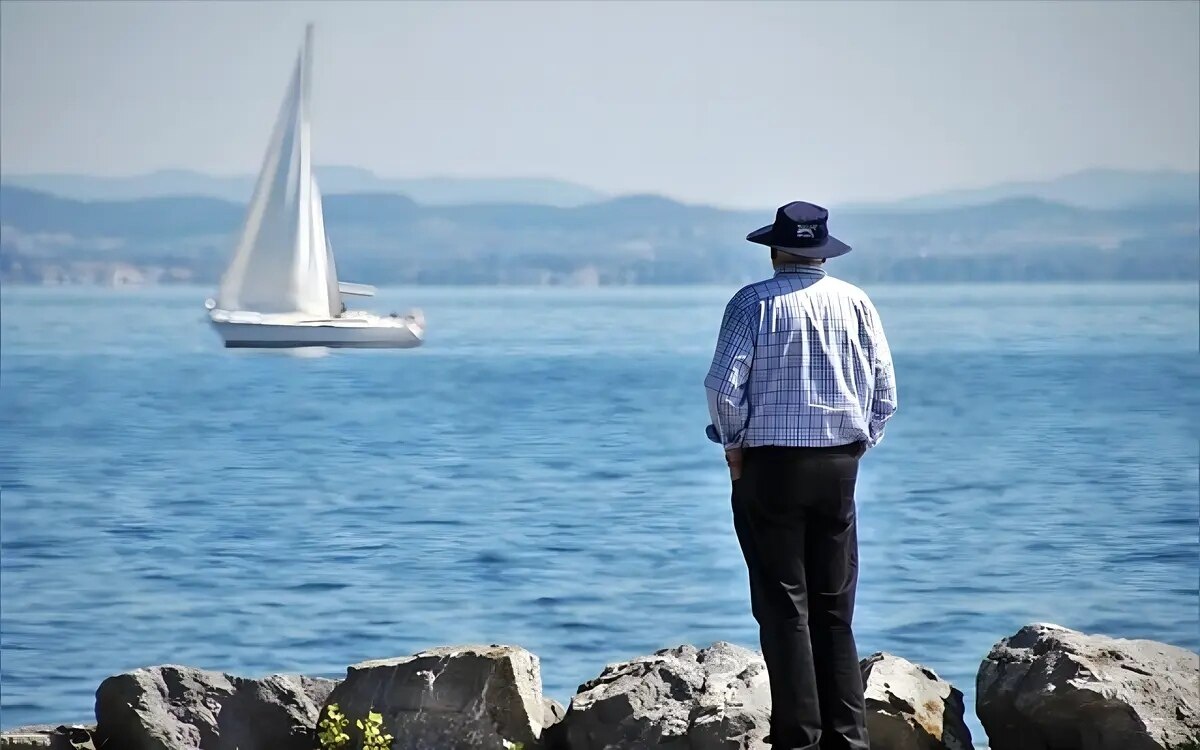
(800, 229)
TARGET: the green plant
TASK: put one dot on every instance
(332, 735)
(513, 745)
(332, 729)
(373, 735)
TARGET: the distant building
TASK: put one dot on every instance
(123, 274)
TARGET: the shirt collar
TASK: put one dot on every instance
(800, 268)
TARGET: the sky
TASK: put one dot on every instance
(734, 103)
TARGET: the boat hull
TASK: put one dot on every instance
(356, 333)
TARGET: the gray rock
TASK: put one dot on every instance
(911, 708)
(27, 738)
(719, 697)
(47, 737)
(1050, 688)
(677, 699)
(181, 708)
(469, 697)
(554, 713)
(552, 735)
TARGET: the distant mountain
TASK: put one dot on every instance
(431, 191)
(1094, 188)
(1098, 189)
(164, 218)
(386, 238)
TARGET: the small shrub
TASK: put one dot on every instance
(372, 730)
(332, 729)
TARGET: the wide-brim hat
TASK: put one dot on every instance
(801, 229)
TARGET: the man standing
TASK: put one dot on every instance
(800, 386)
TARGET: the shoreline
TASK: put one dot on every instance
(706, 697)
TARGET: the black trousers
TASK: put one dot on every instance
(793, 510)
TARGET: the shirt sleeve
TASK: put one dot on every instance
(883, 400)
(729, 376)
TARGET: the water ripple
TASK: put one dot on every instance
(549, 484)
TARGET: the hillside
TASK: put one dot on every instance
(333, 179)
(1093, 188)
(387, 238)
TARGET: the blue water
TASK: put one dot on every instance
(538, 474)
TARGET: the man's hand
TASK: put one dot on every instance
(733, 458)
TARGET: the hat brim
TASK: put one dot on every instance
(831, 247)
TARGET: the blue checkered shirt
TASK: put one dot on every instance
(801, 361)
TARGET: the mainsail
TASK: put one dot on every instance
(283, 262)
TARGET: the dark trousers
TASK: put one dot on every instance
(794, 513)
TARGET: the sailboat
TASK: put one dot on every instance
(281, 288)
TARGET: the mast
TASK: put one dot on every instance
(301, 270)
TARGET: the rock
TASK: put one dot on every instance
(677, 699)
(1050, 688)
(719, 697)
(181, 708)
(552, 727)
(911, 708)
(470, 697)
(27, 738)
(43, 737)
(553, 713)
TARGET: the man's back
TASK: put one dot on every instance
(802, 361)
(800, 385)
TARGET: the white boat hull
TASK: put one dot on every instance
(351, 330)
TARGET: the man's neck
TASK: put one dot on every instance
(810, 268)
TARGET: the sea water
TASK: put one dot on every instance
(538, 474)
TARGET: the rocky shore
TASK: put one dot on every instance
(1043, 688)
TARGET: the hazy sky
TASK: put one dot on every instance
(738, 103)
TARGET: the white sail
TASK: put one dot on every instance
(282, 262)
(281, 288)
(321, 262)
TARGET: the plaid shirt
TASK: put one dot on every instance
(801, 361)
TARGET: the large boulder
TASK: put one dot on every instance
(1050, 688)
(695, 699)
(911, 708)
(676, 699)
(181, 708)
(463, 698)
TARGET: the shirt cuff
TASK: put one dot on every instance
(715, 436)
